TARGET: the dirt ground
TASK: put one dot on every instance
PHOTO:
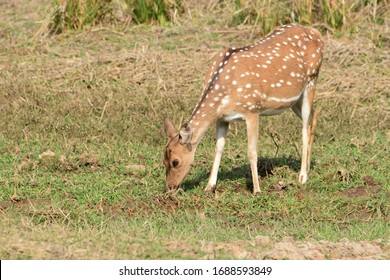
(22, 244)
(259, 247)
(262, 247)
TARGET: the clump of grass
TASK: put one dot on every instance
(77, 14)
(330, 14)
(161, 11)
(266, 14)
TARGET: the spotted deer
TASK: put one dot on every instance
(276, 73)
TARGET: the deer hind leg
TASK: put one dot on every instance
(304, 110)
(222, 129)
(313, 124)
(252, 125)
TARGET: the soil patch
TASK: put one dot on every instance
(262, 247)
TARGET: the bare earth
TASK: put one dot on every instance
(22, 244)
(263, 248)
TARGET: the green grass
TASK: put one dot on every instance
(99, 105)
(80, 14)
(263, 15)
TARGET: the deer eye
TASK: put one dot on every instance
(175, 162)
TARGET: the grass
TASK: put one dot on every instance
(81, 144)
(79, 14)
(264, 15)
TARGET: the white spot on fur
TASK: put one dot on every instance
(225, 101)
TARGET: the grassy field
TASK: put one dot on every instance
(81, 142)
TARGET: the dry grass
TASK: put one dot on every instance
(97, 100)
(262, 15)
(33, 242)
(78, 72)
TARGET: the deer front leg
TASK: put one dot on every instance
(222, 129)
(252, 126)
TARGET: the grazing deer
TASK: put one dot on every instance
(274, 74)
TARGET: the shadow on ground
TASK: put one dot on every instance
(265, 168)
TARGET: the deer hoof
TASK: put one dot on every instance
(210, 188)
(255, 192)
(302, 178)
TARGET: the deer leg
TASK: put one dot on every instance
(305, 146)
(252, 126)
(222, 129)
(305, 112)
(313, 123)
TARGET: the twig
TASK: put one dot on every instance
(104, 110)
(276, 144)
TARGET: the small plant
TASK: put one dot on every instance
(76, 14)
(264, 13)
(335, 13)
(147, 11)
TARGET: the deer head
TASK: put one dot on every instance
(179, 153)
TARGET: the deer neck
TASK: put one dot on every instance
(200, 120)
(210, 104)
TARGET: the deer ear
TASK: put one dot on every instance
(169, 128)
(185, 133)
